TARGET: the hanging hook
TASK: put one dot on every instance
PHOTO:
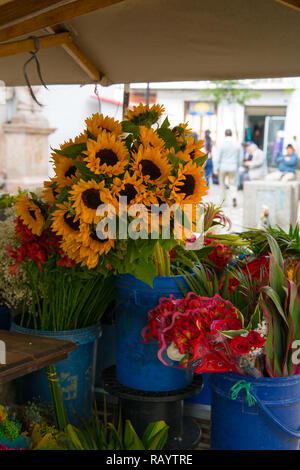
(35, 58)
(96, 91)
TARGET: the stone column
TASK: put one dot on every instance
(24, 149)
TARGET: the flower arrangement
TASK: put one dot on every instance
(127, 169)
(205, 334)
(211, 334)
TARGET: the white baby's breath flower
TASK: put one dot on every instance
(12, 287)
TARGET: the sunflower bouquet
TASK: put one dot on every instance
(107, 181)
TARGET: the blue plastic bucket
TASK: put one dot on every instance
(5, 318)
(75, 374)
(272, 423)
(106, 351)
(137, 364)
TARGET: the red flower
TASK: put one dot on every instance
(235, 324)
(220, 255)
(255, 339)
(240, 345)
(66, 261)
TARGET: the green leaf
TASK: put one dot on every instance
(72, 151)
(233, 333)
(144, 271)
(277, 278)
(131, 439)
(85, 171)
(165, 124)
(200, 160)
(130, 128)
(169, 138)
(275, 249)
(155, 436)
(174, 160)
(272, 294)
(255, 318)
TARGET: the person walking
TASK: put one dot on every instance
(287, 166)
(229, 157)
(208, 144)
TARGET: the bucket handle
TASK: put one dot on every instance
(285, 428)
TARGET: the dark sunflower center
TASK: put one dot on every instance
(94, 236)
(150, 169)
(71, 171)
(107, 156)
(69, 220)
(129, 191)
(188, 186)
(32, 213)
(192, 154)
(91, 198)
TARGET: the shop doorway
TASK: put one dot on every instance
(265, 126)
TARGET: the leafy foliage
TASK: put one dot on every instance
(280, 304)
(288, 242)
(104, 435)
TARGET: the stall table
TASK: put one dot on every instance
(28, 353)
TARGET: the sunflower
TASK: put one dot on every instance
(87, 196)
(107, 155)
(151, 165)
(92, 246)
(98, 123)
(144, 114)
(66, 171)
(160, 200)
(30, 214)
(71, 248)
(192, 150)
(50, 191)
(189, 186)
(131, 187)
(149, 138)
(79, 139)
(181, 132)
(64, 223)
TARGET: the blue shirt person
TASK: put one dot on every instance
(287, 165)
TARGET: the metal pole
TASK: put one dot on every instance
(147, 93)
(126, 96)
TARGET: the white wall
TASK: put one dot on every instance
(292, 123)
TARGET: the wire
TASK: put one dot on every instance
(38, 67)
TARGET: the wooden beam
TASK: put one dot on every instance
(53, 17)
(82, 61)
(295, 4)
(4, 2)
(19, 9)
(27, 45)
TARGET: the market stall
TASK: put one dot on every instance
(218, 303)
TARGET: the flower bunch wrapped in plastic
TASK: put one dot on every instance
(124, 168)
(205, 335)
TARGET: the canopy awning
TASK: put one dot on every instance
(126, 41)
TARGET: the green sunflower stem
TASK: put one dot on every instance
(60, 414)
(161, 261)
